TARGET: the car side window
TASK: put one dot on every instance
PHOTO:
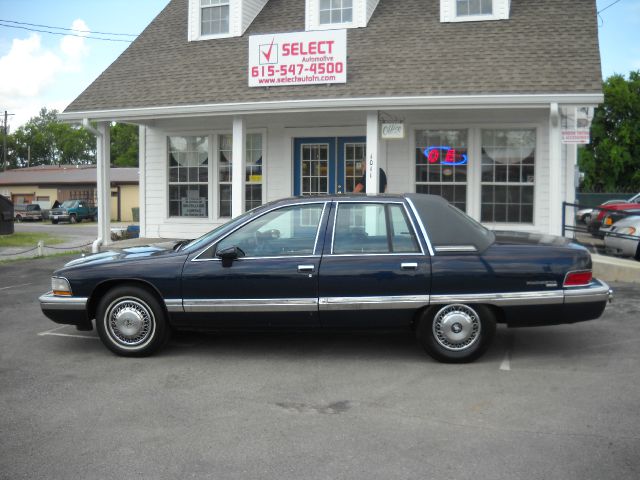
(366, 228)
(287, 231)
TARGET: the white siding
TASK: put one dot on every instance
(371, 6)
(250, 9)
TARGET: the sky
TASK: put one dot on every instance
(43, 70)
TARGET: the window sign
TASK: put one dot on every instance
(301, 58)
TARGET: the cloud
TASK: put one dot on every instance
(29, 69)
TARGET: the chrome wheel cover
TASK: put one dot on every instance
(456, 327)
(130, 322)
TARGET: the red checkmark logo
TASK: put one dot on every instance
(267, 54)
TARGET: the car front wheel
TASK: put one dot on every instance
(456, 333)
(131, 322)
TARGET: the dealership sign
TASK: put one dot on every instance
(301, 58)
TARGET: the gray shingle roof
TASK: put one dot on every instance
(65, 174)
(546, 47)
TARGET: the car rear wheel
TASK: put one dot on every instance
(637, 255)
(18, 218)
(456, 333)
(131, 321)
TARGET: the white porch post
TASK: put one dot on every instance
(142, 180)
(555, 171)
(238, 166)
(373, 153)
(103, 168)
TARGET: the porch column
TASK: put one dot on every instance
(238, 156)
(555, 171)
(373, 152)
(103, 168)
(142, 180)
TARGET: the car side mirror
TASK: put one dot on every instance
(228, 255)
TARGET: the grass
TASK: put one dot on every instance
(66, 253)
(28, 239)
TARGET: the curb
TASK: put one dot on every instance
(613, 269)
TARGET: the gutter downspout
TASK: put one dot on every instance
(95, 246)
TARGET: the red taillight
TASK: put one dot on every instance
(574, 279)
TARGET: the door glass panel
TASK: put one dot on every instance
(354, 158)
(360, 228)
(283, 232)
(403, 238)
(315, 168)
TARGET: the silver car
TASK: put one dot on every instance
(626, 242)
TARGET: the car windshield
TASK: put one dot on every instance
(68, 203)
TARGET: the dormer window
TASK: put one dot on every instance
(474, 10)
(474, 7)
(214, 17)
(336, 11)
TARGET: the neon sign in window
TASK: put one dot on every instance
(451, 157)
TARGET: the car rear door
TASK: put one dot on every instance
(375, 271)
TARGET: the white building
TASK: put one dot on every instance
(241, 102)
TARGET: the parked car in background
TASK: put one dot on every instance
(408, 261)
(584, 215)
(24, 212)
(623, 238)
(73, 211)
(593, 226)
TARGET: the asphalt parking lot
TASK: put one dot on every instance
(547, 403)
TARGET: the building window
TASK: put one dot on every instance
(214, 17)
(508, 175)
(224, 175)
(441, 165)
(253, 173)
(474, 7)
(188, 176)
(253, 168)
(336, 11)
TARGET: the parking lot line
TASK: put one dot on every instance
(506, 361)
(15, 286)
(54, 332)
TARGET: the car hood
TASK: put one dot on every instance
(526, 238)
(124, 254)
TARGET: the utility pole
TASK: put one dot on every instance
(4, 142)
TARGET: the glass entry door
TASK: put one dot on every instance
(328, 164)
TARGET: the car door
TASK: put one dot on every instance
(374, 271)
(273, 282)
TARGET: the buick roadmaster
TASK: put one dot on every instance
(333, 262)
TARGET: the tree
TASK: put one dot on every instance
(124, 145)
(611, 162)
(45, 140)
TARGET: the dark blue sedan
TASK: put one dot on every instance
(335, 262)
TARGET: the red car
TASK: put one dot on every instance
(596, 220)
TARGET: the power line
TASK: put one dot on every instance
(66, 34)
(610, 5)
(69, 29)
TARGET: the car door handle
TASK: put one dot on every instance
(409, 265)
(306, 268)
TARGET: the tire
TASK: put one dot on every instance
(72, 218)
(55, 222)
(637, 255)
(456, 333)
(18, 218)
(131, 321)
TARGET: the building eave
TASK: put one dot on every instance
(339, 104)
